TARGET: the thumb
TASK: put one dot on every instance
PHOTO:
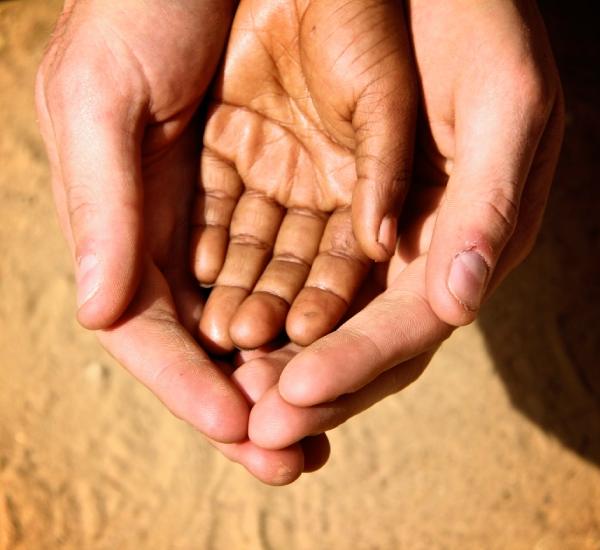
(395, 327)
(494, 156)
(97, 144)
(384, 122)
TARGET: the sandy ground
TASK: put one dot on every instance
(497, 446)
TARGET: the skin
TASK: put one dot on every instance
(87, 129)
(307, 147)
(487, 148)
(116, 95)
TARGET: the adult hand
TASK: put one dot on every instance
(493, 116)
(116, 96)
(485, 159)
(314, 111)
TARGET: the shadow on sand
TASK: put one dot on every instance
(542, 327)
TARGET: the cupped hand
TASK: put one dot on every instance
(116, 96)
(119, 84)
(487, 148)
(308, 138)
(492, 130)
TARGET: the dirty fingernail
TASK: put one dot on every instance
(388, 234)
(468, 278)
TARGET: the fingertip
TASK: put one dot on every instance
(457, 296)
(272, 467)
(288, 467)
(369, 229)
(95, 315)
(317, 451)
(373, 249)
(222, 415)
(255, 377)
(99, 304)
(275, 467)
(231, 427)
(296, 383)
(313, 314)
(258, 320)
(388, 235)
(214, 325)
(272, 424)
(207, 252)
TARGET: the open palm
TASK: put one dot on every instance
(307, 146)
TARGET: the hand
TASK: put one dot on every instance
(493, 125)
(276, 424)
(313, 112)
(486, 154)
(257, 371)
(116, 96)
(118, 124)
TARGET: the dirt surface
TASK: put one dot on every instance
(497, 446)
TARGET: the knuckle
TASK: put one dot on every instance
(501, 209)
(537, 95)
(249, 240)
(82, 206)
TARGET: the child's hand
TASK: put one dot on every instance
(309, 137)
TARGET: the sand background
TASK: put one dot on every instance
(497, 446)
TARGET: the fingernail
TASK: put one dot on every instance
(88, 278)
(388, 234)
(467, 279)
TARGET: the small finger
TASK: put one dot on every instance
(254, 227)
(335, 277)
(219, 189)
(262, 315)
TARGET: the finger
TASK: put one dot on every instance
(495, 145)
(279, 467)
(316, 449)
(384, 122)
(98, 134)
(534, 199)
(363, 85)
(261, 317)
(151, 343)
(396, 326)
(219, 190)
(188, 300)
(335, 277)
(275, 423)
(254, 226)
(273, 467)
(256, 376)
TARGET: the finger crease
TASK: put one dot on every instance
(328, 291)
(346, 256)
(291, 259)
(246, 239)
